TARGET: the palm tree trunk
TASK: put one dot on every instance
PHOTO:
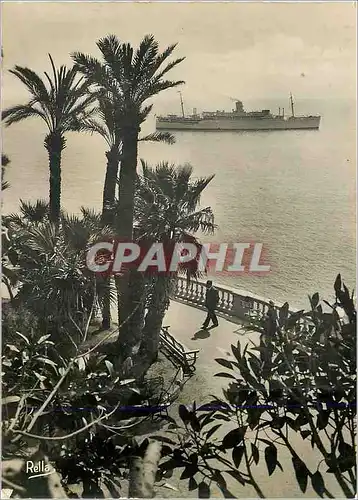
(110, 183)
(55, 143)
(109, 192)
(127, 182)
(154, 318)
(132, 303)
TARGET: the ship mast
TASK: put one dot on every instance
(292, 107)
(182, 104)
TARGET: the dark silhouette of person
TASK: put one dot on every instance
(211, 302)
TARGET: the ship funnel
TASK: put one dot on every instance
(239, 107)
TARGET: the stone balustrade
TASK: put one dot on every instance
(232, 302)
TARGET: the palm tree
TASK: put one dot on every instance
(107, 121)
(133, 77)
(166, 210)
(49, 263)
(5, 160)
(62, 105)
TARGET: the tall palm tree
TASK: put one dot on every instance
(62, 104)
(135, 77)
(167, 210)
(107, 121)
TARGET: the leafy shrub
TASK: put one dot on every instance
(300, 381)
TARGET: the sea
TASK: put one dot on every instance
(292, 191)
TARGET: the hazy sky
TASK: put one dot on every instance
(245, 50)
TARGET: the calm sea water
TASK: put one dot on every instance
(293, 191)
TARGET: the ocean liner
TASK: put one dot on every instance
(238, 119)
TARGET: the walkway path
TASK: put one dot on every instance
(185, 324)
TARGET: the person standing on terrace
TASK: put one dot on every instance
(211, 302)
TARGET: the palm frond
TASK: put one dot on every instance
(145, 56)
(93, 126)
(94, 71)
(4, 163)
(34, 84)
(42, 239)
(110, 47)
(20, 112)
(34, 212)
(165, 137)
(62, 105)
(194, 192)
(166, 203)
(5, 160)
(169, 66)
(154, 88)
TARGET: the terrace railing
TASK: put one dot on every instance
(232, 302)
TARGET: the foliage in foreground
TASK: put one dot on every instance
(45, 264)
(69, 409)
(298, 386)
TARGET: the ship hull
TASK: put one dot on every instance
(296, 123)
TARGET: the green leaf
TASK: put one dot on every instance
(184, 413)
(12, 348)
(318, 483)
(204, 490)
(225, 375)
(301, 472)
(81, 364)
(271, 458)
(47, 361)
(314, 300)
(237, 454)
(211, 431)
(234, 437)
(236, 475)
(43, 338)
(224, 362)
(255, 453)
(23, 337)
(127, 381)
(194, 422)
(338, 284)
(40, 377)
(322, 419)
(109, 366)
(192, 484)
(283, 314)
(219, 479)
(164, 439)
(236, 351)
(189, 471)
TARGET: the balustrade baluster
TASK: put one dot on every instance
(181, 288)
(226, 301)
(195, 291)
(220, 303)
(230, 301)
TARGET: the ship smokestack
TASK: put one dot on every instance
(239, 108)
